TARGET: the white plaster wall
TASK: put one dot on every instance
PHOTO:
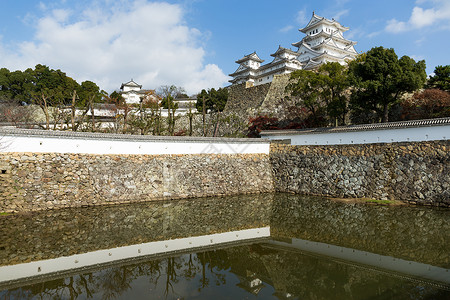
(47, 144)
(420, 134)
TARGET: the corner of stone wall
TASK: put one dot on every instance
(265, 99)
(274, 102)
(242, 99)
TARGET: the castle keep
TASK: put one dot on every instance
(324, 42)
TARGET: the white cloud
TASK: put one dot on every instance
(302, 17)
(395, 26)
(417, 57)
(286, 28)
(438, 14)
(146, 41)
(373, 34)
(340, 14)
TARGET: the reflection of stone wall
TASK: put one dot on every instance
(63, 232)
(413, 172)
(34, 181)
(418, 234)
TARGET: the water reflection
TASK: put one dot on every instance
(419, 234)
(233, 273)
(51, 234)
(263, 269)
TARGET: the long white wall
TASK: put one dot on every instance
(20, 140)
(363, 136)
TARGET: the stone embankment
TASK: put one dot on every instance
(36, 181)
(171, 168)
(264, 99)
(417, 173)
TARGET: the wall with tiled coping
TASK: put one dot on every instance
(42, 169)
(93, 169)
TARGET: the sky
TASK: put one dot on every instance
(194, 43)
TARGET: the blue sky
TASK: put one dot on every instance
(194, 43)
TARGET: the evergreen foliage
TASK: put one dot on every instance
(379, 80)
(215, 100)
(440, 79)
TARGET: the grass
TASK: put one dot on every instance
(4, 213)
(379, 201)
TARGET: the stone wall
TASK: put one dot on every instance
(244, 100)
(275, 102)
(265, 99)
(35, 181)
(412, 172)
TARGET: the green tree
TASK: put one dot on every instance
(440, 79)
(49, 89)
(380, 79)
(306, 89)
(16, 86)
(212, 101)
(215, 100)
(117, 98)
(334, 91)
(89, 94)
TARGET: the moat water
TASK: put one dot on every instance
(267, 246)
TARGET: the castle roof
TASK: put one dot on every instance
(336, 36)
(240, 70)
(130, 83)
(316, 20)
(282, 50)
(252, 56)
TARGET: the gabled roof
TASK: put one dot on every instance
(330, 43)
(282, 50)
(311, 64)
(239, 70)
(140, 92)
(277, 61)
(307, 48)
(315, 20)
(130, 83)
(252, 56)
(336, 35)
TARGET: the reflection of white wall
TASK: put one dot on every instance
(364, 258)
(94, 258)
(62, 142)
(417, 134)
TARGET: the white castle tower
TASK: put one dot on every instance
(324, 42)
